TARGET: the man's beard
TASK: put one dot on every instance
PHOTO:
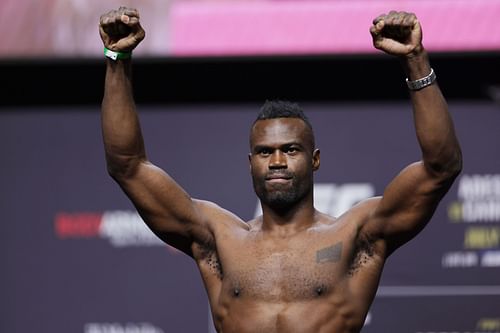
(281, 196)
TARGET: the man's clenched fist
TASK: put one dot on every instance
(120, 29)
(397, 33)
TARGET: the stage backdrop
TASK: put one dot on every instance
(75, 257)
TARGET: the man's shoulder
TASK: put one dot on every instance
(365, 206)
(360, 212)
(219, 217)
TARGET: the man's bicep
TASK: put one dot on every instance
(165, 207)
(408, 203)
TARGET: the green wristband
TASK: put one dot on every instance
(116, 55)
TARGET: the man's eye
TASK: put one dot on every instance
(291, 150)
(264, 152)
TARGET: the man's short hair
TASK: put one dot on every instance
(273, 109)
(282, 109)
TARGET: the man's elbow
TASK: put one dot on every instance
(457, 164)
(447, 169)
(122, 167)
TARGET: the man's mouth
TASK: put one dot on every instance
(278, 178)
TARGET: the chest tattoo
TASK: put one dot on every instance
(329, 254)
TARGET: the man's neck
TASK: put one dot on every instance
(288, 220)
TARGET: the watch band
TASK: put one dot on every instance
(423, 82)
(117, 55)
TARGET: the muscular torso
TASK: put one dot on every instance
(320, 279)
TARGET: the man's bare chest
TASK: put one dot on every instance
(292, 269)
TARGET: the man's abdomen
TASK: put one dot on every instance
(311, 316)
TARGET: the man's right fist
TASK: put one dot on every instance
(120, 29)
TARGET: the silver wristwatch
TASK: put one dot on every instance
(423, 82)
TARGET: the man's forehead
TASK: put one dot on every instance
(279, 130)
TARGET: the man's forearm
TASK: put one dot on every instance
(121, 129)
(434, 126)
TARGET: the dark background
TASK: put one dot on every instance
(241, 79)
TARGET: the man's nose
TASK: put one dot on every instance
(278, 160)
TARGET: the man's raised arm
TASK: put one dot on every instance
(164, 206)
(411, 198)
(121, 130)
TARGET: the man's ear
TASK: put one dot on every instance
(316, 159)
(250, 161)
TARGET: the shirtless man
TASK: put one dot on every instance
(293, 269)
